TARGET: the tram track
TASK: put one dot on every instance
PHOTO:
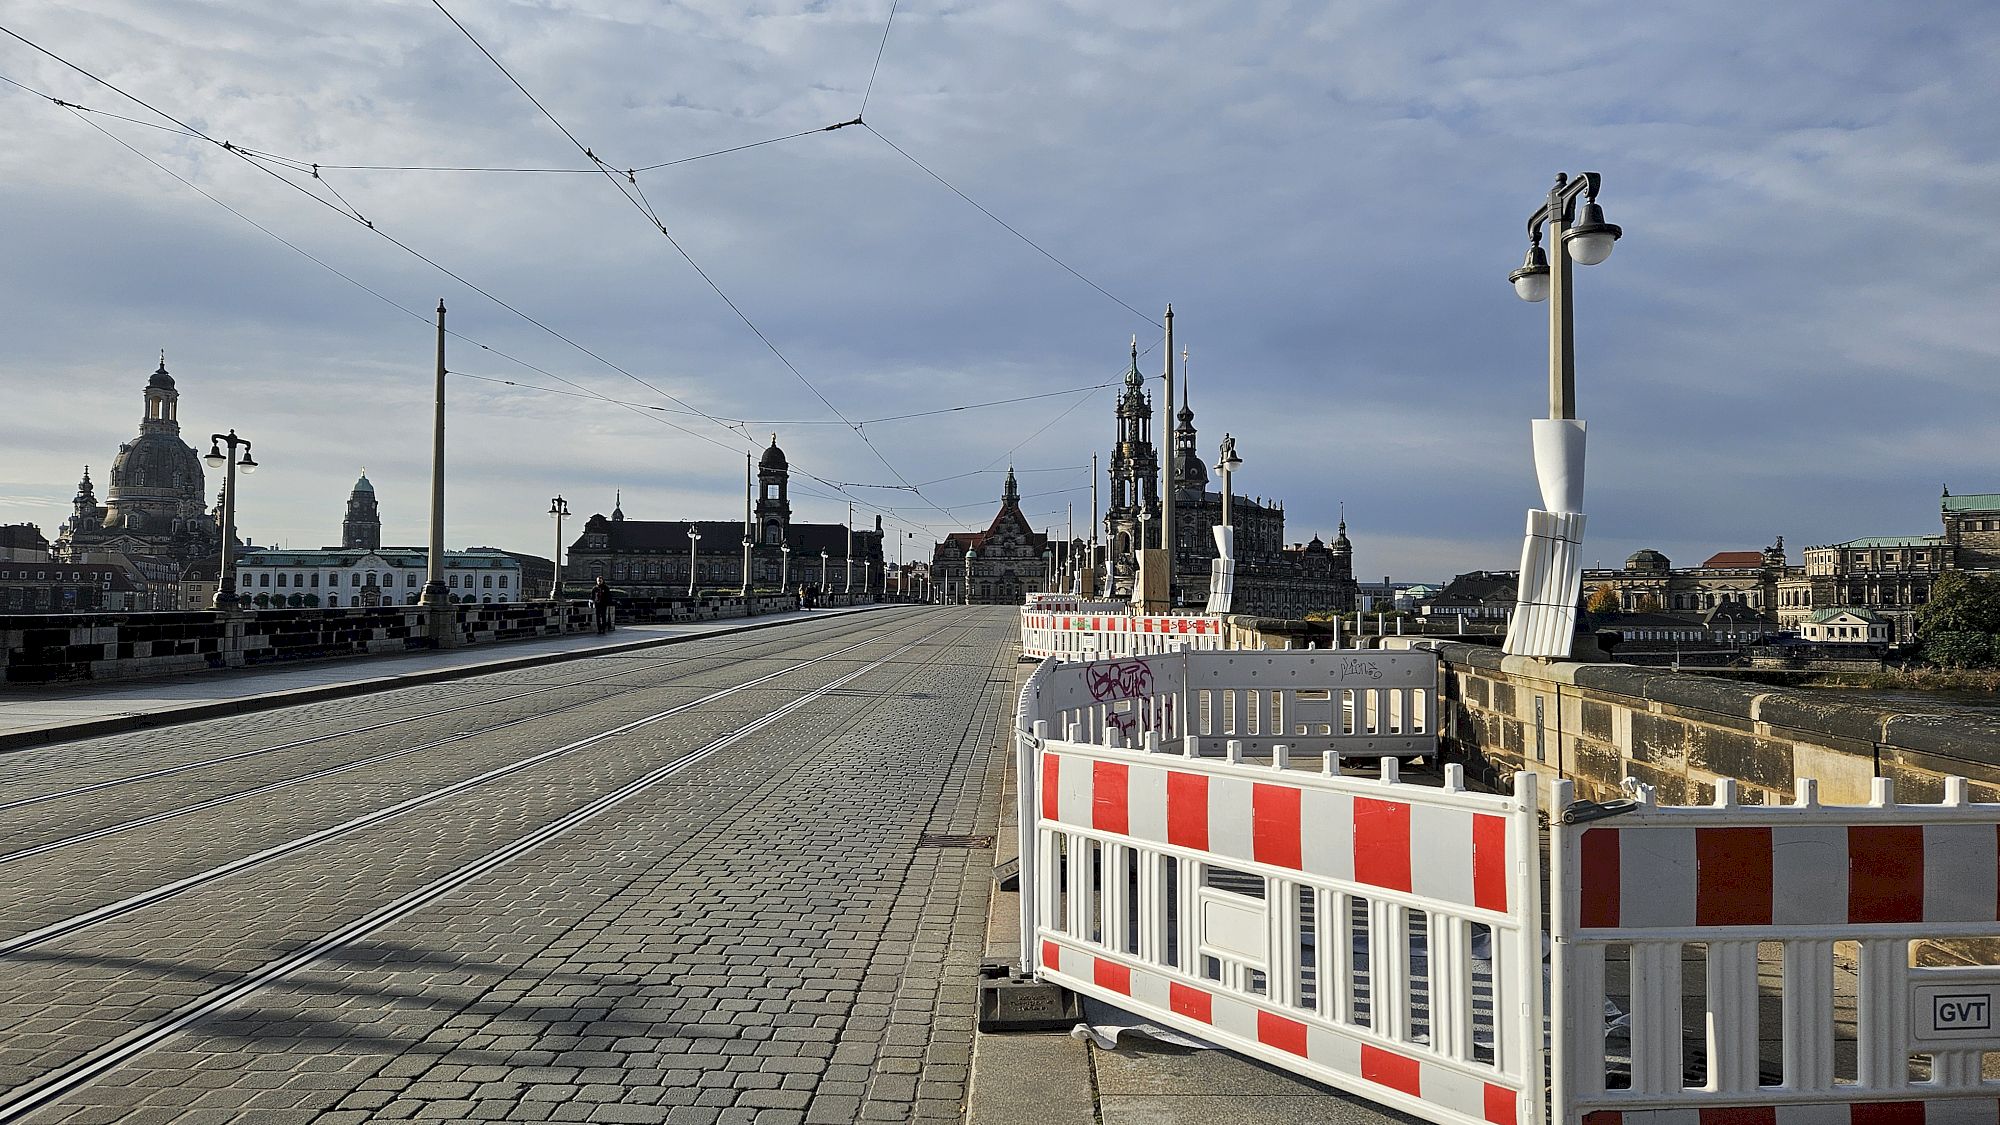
(328, 771)
(64, 927)
(50, 1086)
(227, 759)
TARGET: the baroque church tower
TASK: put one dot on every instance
(1135, 477)
(363, 526)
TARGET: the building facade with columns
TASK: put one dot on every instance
(653, 558)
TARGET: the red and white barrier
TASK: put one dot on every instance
(1387, 939)
(1085, 635)
(1634, 893)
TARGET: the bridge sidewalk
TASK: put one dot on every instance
(1051, 1078)
(40, 714)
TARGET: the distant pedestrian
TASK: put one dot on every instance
(600, 599)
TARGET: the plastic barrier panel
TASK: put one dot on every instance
(1756, 963)
(1379, 937)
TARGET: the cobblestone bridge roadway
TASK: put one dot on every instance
(681, 884)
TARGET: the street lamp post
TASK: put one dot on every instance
(968, 576)
(1228, 463)
(558, 507)
(436, 595)
(1551, 565)
(225, 585)
(1049, 567)
(823, 556)
(694, 537)
(746, 566)
(784, 567)
(847, 563)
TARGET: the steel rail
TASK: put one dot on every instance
(53, 1084)
(143, 899)
(186, 767)
(329, 771)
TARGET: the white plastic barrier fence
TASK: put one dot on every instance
(1357, 703)
(1085, 635)
(1714, 965)
(1663, 910)
(1380, 937)
(1074, 603)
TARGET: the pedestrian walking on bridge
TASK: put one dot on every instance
(600, 598)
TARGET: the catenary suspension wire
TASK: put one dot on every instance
(1010, 228)
(682, 250)
(874, 70)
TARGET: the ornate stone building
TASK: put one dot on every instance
(1007, 558)
(363, 526)
(1273, 579)
(652, 558)
(155, 511)
(1733, 583)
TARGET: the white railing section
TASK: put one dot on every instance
(1097, 634)
(1376, 936)
(1726, 934)
(1075, 603)
(1363, 703)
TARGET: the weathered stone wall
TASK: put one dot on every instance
(1597, 724)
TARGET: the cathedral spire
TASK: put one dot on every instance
(1012, 493)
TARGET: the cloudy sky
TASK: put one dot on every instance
(1795, 337)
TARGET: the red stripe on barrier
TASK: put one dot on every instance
(1489, 864)
(1740, 1115)
(1885, 874)
(1191, 1002)
(1386, 1068)
(1732, 877)
(1274, 817)
(1502, 1105)
(1108, 812)
(1051, 778)
(1886, 1113)
(1597, 892)
(1382, 843)
(1187, 810)
(1111, 975)
(1603, 1117)
(1285, 1035)
(1051, 956)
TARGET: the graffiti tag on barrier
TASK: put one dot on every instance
(1123, 679)
(1352, 667)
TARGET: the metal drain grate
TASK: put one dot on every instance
(929, 840)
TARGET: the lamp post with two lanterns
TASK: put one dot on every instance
(225, 586)
(1551, 564)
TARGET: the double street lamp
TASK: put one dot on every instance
(558, 507)
(1584, 238)
(225, 588)
(1551, 556)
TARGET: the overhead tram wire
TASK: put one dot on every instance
(877, 68)
(647, 210)
(239, 152)
(423, 317)
(1010, 229)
